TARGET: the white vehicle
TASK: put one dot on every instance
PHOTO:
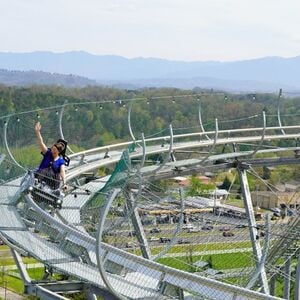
(194, 229)
(275, 210)
(131, 245)
(187, 226)
(154, 239)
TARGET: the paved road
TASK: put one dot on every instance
(5, 293)
(9, 295)
(210, 252)
(5, 252)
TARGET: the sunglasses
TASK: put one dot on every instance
(59, 147)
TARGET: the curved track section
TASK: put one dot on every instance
(88, 238)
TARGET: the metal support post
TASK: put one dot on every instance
(22, 269)
(137, 225)
(273, 285)
(2, 156)
(94, 291)
(297, 280)
(173, 158)
(252, 224)
(287, 279)
(234, 147)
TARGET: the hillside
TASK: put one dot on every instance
(27, 78)
(260, 75)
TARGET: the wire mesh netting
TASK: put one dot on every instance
(155, 233)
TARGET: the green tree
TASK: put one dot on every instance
(197, 188)
(226, 184)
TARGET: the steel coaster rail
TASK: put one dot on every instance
(213, 144)
(168, 155)
(7, 147)
(204, 143)
(278, 111)
(99, 162)
(129, 122)
(184, 280)
(60, 126)
(184, 136)
(144, 152)
(220, 141)
(200, 120)
(262, 135)
(243, 292)
(211, 284)
(171, 142)
(125, 144)
(100, 263)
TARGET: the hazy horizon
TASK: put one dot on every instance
(142, 57)
(192, 30)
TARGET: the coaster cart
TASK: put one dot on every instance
(41, 192)
(45, 187)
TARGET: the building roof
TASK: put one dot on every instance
(209, 174)
(291, 186)
(203, 177)
(201, 263)
(212, 272)
(280, 187)
(180, 178)
(220, 192)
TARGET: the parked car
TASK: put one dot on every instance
(131, 233)
(291, 213)
(207, 227)
(228, 233)
(182, 241)
(130, 245)
(187, 226)
(224, 228)
(275, 209)
(153, 239)
(112, 233)
(155, 230)
(164, 240)
(241, 226)
(195, 229)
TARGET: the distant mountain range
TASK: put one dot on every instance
(255, 75)
(27, 78)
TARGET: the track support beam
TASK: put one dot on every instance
(137, 225)
(242, 171)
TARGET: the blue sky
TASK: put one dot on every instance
(189, 30)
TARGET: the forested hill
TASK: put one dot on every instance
(27, 78)
(102, 115)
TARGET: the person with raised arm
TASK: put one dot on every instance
(52, 167)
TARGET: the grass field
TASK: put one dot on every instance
(183, 261)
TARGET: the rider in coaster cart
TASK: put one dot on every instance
(52, 167)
